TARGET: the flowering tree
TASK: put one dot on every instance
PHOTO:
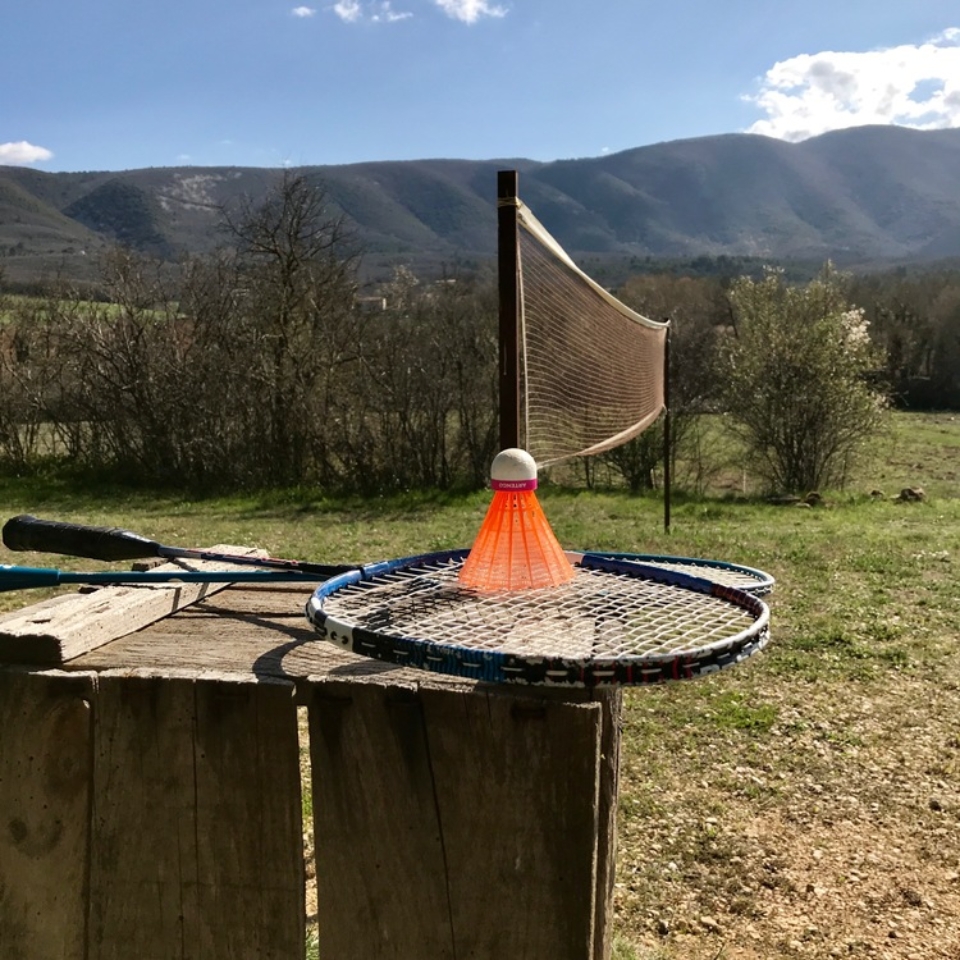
(797, 380)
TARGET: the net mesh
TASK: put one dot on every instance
(592, 369)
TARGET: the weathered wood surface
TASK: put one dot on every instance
(45, 739)
(244, 634)
(66, 626)
(611, 702)
(455, 826)
(196, 840)
(148, 819)
(451, 819)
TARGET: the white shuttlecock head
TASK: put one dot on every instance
(513, 469)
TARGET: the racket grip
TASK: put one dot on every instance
(70, 539)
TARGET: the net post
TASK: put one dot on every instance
(508, 265)
(666, 430)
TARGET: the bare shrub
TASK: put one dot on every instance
(256, 368)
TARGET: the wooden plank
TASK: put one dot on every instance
(45, 734)
(250, 870)
(454, 824)
(41, 609)
(197, 840)
(381, 877)
(53, 633)
(611, 703)
(517, 787)
(246, 634)
(144, 827)
(451, 819)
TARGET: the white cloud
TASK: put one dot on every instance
(303, 11)
(386, 14)
(381, 11)
(470, 11)
(21, 153)
(910, 85)
(348, 10)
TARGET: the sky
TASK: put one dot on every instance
(126, 84)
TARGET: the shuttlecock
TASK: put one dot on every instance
(515, 548)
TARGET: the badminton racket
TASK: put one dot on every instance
(26, 532)
(616, 622)
(720, 571)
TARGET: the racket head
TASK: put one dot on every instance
(617, 622)
(736, 575)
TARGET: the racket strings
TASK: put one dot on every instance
(597, 615)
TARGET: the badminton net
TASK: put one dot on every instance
(591, 369)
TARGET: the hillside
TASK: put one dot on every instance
(865, 196)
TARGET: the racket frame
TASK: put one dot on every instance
(757, 582)
(499, 667)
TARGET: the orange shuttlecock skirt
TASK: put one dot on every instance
(515, 548)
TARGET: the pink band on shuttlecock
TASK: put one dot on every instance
(514, 484)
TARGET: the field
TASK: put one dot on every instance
(804, 804)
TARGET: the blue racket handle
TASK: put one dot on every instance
(24, 578)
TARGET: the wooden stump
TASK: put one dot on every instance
(150, 795)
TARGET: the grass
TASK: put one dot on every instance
(806, 803)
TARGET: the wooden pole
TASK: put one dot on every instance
(666, 433)
(508, 265)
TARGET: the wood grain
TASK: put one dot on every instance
(452, 819)
(196, 843)
(143, 852)
(381, 877)
(517, 785)
(250, 889)
(455, 824)
(45, 737)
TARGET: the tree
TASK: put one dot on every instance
(423, 411)
(296, 271)
(797, 368)
(915, 314)
(221, 374)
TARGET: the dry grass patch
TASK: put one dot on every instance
(832, 831)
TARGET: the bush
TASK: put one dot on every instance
(256, 367)
(797, 372)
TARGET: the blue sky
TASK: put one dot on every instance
(122, 84)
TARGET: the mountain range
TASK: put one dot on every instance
(863, 197)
